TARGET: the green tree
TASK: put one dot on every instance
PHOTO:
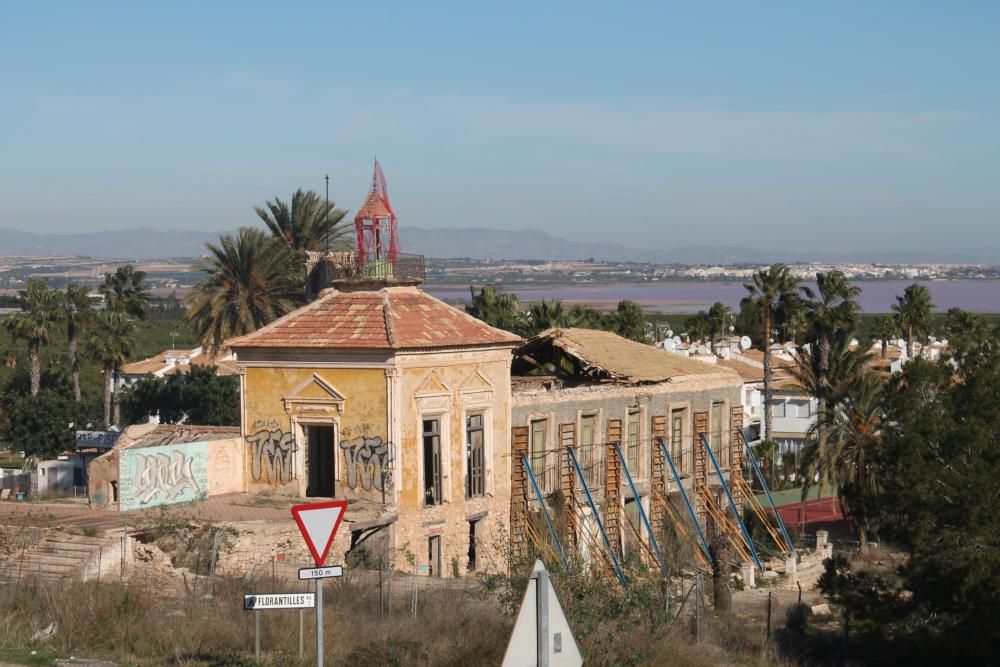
(846, 451)
(629, 321)
(77, 312)
(770, 289)
(112, 342)
(42, 425)
(913, 313)
(719, 317)
(884, 329)
(198, 397)
(125, 291)
(249, 285)
(496, 309)
(937, 497)
(970, 337)
(308, 224)
(35, 324)
(698, 327)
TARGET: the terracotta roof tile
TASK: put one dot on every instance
(390, 318)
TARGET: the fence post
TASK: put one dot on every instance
(767, 635)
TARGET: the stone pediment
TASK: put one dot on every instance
(432, 385)
(475, 381)
(314, 395)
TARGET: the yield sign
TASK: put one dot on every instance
(318, 523)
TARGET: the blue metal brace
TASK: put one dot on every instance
(684, 496)
(597, 517)
(642, 512)
(545, 511)
(770, 498)
(732, 503)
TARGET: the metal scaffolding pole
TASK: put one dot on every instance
(545, 511)
(597, 517)
(642, 512)
(684, 496)
(767, 491)
(732, 502)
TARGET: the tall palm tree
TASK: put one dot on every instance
(499, 310)
(629, 321)
(124, 291)
(830, 310)
(77, 312)
(249, 284)
(913, 313)
(35, 324)
(884, 328)
(843, 366)
(112, 342)
(308, 224)
(770, 289)
(846, 453)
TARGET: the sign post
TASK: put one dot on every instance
(542, 636)
(258, 602)
(318, 523)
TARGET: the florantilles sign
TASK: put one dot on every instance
(318, 523)
(279, 601)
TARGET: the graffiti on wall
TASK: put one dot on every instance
(271, 456)
(369, 462)
(162, 475)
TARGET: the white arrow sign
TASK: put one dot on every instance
(279, 601)
(542, 636)
(318, 523)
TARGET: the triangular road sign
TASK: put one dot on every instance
(318, 523)
(558, 645)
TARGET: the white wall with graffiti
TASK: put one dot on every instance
(178, 473)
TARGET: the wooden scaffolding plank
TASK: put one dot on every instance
(657, 517)
(518, 491)
(613, 486)
(567, 484)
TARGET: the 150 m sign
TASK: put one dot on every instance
(279, 601)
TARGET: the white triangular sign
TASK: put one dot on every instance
(318, 523)
(561, 648)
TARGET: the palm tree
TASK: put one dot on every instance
(546, 315)
(112, 342)
(124, 291)
(498, 310)
(770, 289)
(831, 309)
(843, 366)
(884, 328)
(77, 312)
(845, 454)
(249, 284)
(310, 223)
(35, 324)
(629, 321)
(913, 313)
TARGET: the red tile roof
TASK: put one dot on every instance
(391, 318)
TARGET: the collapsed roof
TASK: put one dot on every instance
(602, 356)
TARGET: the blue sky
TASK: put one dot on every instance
(786, 125)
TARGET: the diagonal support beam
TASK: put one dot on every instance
(767, 491)
(597, 517)
(732, 503)
(642, 512)
(545, 512)
(687, 501)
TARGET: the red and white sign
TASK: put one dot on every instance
(318, 523)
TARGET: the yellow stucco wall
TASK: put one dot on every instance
(449, 386)
(275, 440)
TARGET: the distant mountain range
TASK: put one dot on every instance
(473, 243)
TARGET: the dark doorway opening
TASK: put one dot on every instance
(434, 556)
(320, 462)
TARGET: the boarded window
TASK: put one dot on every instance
(715, 432)
(432, 461)
(539, 427)
(633, 444)
(588, 457)
(475, 462)
(677, 439)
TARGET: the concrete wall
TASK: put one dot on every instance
(569, 405)
(55, 476)
(102, 478)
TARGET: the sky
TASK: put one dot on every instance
(794, 125)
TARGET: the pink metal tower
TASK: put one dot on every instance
(376, 223)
